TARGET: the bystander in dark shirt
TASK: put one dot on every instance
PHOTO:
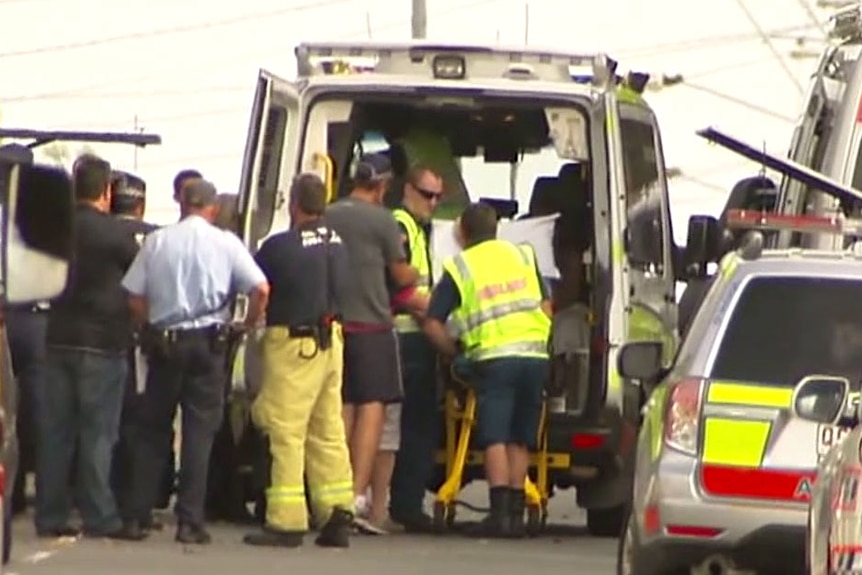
(92, 313)
(307, 271)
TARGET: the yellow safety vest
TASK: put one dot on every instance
(418, 244)
(500, 313)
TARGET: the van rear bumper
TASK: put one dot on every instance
(590, 450)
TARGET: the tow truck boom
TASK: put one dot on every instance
(42, 137)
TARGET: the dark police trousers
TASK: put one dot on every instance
(188, 370)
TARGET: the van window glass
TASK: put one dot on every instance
(784, 328)
(643, 193)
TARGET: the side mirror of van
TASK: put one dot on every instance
(825, 399)
(641, 360)
(37, 231)
(701, 247)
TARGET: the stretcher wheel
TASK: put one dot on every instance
(444, 516)
(537, 518)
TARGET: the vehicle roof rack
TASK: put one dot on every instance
(846, 23)
(42, 137)
(450, 61)
(812, 224)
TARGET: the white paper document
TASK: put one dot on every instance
(537, 232)
(141, 370)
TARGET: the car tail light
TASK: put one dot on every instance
(683, 416)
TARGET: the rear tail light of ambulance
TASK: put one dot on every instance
(682, 419)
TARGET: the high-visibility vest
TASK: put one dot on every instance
(417, 241)
(500, 313)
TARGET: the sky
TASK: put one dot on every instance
(188, 74)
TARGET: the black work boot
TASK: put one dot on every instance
(497, 523)
(270, 537)
(336, 532)
(517, 507)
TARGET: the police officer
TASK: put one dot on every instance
(299, 405)
(493, 295)
(181, 284)
(128, 204)
(423, 189)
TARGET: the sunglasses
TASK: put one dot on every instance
(429, 195)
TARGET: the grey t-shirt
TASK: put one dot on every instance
(373, 241)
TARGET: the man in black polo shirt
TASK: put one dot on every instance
(87, 338)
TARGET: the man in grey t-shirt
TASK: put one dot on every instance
(372, 377)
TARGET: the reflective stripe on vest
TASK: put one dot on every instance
(500, 313)
(418, 244)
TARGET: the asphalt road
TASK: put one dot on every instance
(563, 550)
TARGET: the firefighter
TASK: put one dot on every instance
(181, 285)
(423, 189)
(495, 302)
(299, 405)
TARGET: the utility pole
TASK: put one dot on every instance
(138, 130)
(419, 21)
(526, 23)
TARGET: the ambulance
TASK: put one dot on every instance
(502, 122)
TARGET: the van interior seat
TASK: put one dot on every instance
(574, 187)
(544, 197)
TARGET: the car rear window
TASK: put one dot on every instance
(784, 328)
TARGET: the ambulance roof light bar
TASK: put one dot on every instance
(768, 221)
(441, 60)
(846, 23)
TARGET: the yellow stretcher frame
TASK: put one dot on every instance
(458, 428)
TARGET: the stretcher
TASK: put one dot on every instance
(459, 411)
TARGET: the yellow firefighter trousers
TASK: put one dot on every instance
(299, 409)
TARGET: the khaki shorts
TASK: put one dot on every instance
(390, 439)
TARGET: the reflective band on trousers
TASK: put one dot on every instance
(276, 494)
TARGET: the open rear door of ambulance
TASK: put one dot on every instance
(270, 155)
(269, 158)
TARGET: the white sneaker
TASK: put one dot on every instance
(366, 527)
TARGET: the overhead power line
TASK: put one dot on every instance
(707, 42)
(771, 45)
(182, 67)
(198, 26)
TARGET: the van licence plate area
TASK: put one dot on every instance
(828, 436)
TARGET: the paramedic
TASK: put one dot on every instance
(299, 405)
(128, 202)
(182, 284)
(226, 485)
(375, 250)
(494, 299)
(423, 189)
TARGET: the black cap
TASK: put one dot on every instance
(127, 185)
(199, 193)
(373, 168)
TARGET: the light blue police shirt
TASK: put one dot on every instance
(189, 272)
